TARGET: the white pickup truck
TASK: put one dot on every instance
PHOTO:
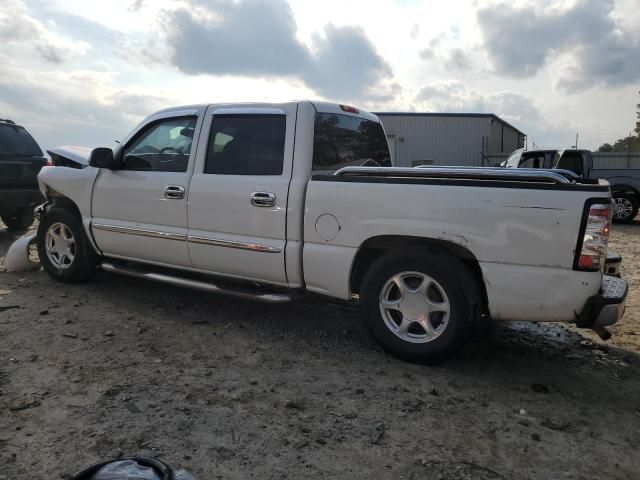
(266, 201)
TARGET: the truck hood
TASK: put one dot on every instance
(78, 155)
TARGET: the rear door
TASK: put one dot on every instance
(140, 210)
(238, 192)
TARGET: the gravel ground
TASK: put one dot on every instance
(233, 389)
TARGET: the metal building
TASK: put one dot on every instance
(471, 139)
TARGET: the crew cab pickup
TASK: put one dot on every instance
(268, 201)
(624, 182)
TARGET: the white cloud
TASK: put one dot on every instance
(85, 72)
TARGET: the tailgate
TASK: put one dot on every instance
(20, 172)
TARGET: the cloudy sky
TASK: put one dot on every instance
(83, 72)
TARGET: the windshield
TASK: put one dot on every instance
(347, 141)
(15, 140)
(514, 159)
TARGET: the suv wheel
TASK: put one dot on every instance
(63, 248)
(20, 220)
(625, 207)
(419, 307)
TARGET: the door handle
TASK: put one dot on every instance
(263, 199)
(174, 192)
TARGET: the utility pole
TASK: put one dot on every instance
(577, 135)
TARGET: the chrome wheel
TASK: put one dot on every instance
(415, 307)
(622, 208)
(60, 245)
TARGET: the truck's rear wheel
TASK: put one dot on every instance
(419, 306)
(20, 220)
(63, 248)
(625, 207)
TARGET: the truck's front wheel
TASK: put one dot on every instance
(63, 247)
(419, 306)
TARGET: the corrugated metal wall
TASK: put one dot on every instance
(616, 160)
(444, 140)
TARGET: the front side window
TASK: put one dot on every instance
(346, 141)
(246, 144)
(164, 146)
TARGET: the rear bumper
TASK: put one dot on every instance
(607, 307)
(612, 264)
(13, 200)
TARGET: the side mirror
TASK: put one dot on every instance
(102, 158)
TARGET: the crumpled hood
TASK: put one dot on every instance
(79, 155)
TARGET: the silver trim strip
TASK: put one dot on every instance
(231, 244)
(140, 231)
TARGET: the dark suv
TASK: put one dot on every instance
(20, 162)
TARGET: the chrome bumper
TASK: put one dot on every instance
(607, 307)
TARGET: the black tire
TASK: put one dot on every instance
(20, 220)
(625, 207)
(450, 275)
(82, 266)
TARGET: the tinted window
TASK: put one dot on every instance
(534, 160)
(15, 140)
(345, 141)
(163, 146)
(571, 161)
(246, 145)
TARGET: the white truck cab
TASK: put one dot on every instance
(301, 196)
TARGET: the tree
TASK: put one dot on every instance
(630, 143)
(638, 118)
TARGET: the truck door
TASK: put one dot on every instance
(238, 192)
(140, 210)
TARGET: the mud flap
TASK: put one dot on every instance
(17, 257)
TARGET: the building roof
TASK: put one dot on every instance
(444, 114)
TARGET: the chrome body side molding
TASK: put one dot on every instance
(216, 242)
(139, 231)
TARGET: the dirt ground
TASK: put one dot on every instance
(233, 389)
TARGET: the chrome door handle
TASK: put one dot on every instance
(174, 192)
(263, 199)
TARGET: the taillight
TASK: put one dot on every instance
(596, 238)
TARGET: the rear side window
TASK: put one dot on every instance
(571, 161)
(246, 145)
(15, 140)
(346, 141)
(533, 160)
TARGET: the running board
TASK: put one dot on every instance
(198, 285)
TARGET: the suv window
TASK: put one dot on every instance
(163, 146)
(15, 140)
(346, 141)
(246, 144)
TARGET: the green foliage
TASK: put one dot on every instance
(638, 120)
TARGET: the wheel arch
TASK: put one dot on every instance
(625, 188)
(56, 199)
(376, 247)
